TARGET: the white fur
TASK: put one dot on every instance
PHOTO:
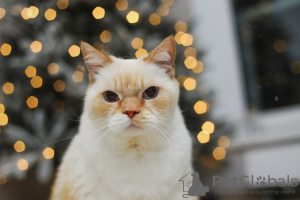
(107, 169)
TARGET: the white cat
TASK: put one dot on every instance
(132, 141)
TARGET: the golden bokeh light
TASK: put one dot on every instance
(224, 142)
(74, 51)
(77, 76)
(154, 19)
(5, 49)
(163, 10)
(36, 46)
(36, 82)
(208, 127)
(19, 146)
(105, 36)
(180, 26)
(59, 86)
(8, 88)
(62, 4)
(295, 67)
(24, 13)
(53, 68)
(198, 68)
(2, 108)
(2, 13)
(203, 138)
(190, 62)
(219, 153)
(3, 119)
(32, 12)
(22, 164)
(279, 46)
(16, 9)
(140, 52)
(30, 71)
(32, 102)
(3, 180)
(98, 12)
(121, 5)
(189, 84)
(181, 79)
(167, 2)
(178, 36)
(48, 153)
(186, 39)
(201, 107)
(58, 106)
(137, 43)
(190, 51)
(50, 14)
(132, 17)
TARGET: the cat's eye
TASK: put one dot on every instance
(110, 96)
(150, 93)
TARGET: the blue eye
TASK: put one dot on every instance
(150, 93)
(110, 96)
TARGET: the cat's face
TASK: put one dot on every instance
(135, 95)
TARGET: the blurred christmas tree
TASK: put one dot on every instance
(43, 77)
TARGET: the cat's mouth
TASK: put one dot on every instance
(133, 126)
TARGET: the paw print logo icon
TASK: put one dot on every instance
(260, 180)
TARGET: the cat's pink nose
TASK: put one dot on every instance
(131, 113)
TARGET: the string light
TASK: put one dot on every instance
(98, 13)
(140, 52)
(48, 153)
(167, 2)
(5, 49)
(58, 106)
(180, 26)
(3, 119)
(53, 68)
(2, 108)
(189, 84)
(154, 19)
(50, 14)
(133, 17)
(19, 146)
(74, 51)
(295, 67)
(2, 13)
(178, 36)
(77, 76)
(121, 5)
(190, 51)
(163, 10)
(186, 39)
(36, 82)
(279, 46)
(22, 164)
(219, 153)
(24, 13)
(32, 102)
(181, 79)
(224, 142)
(8, 88)
(59, 86)
(190, 62)
(105, 36)
(62, 4)
(201, 107)
(208, 127)
(198, 68)
(32, 12)
(3, 180)
(30, 71)
(137, 43)
(36, 46)
(203, 138)
(16, 9)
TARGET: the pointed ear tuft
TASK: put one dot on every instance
(164, 55)
(93, 59)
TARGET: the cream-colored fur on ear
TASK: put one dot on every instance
(111, 160)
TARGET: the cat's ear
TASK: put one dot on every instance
(94, 59)
(164, 55)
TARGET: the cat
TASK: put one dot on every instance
(132, 141)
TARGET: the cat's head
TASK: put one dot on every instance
(131, 96)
